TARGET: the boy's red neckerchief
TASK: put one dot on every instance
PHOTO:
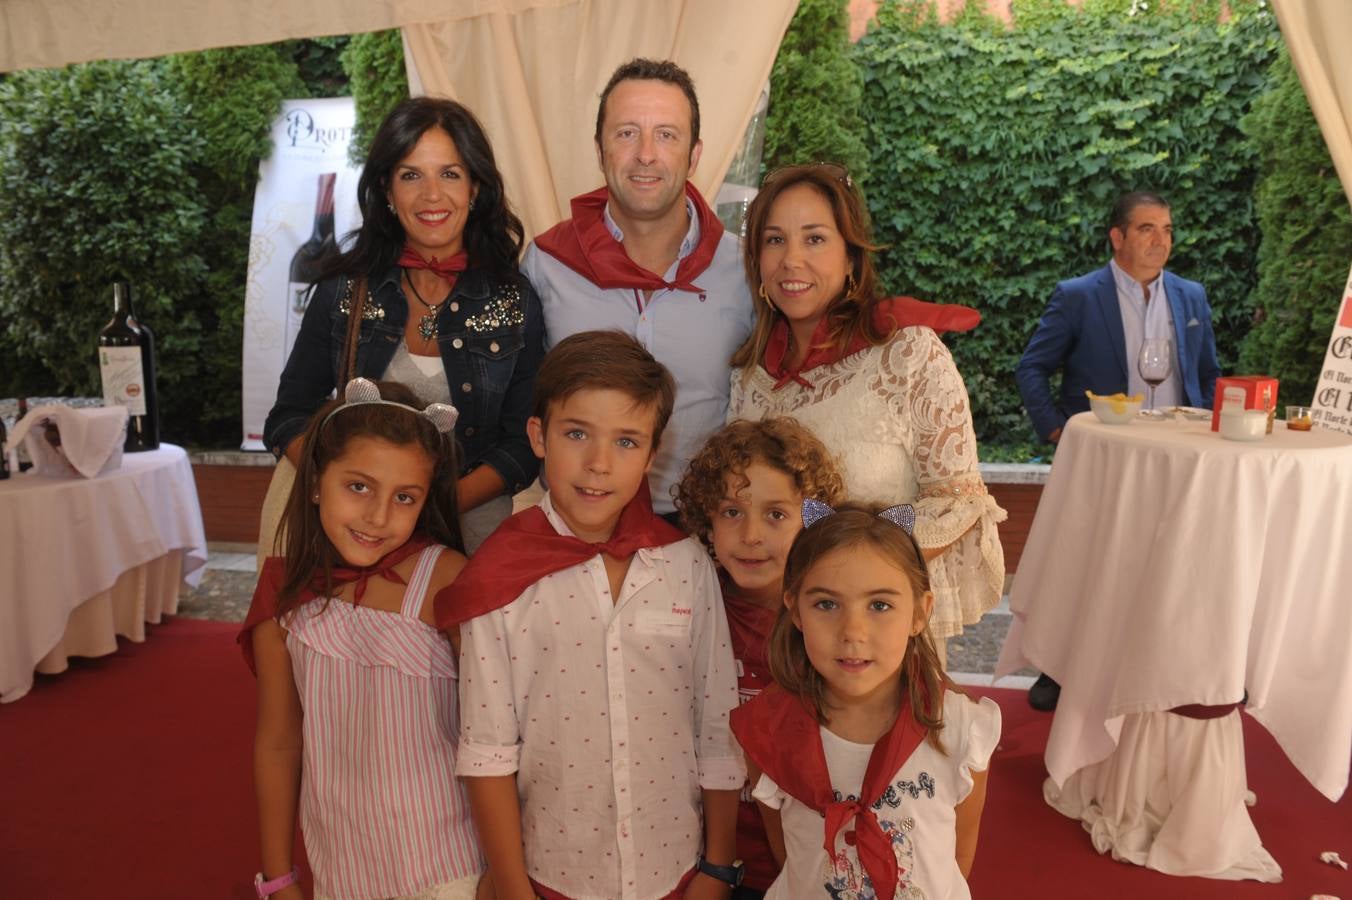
(526, 548)
(781, 735)
(267, 593)
(888, 316)
(585, 245)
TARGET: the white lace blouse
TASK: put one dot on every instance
(897, 418)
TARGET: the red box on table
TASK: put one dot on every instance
(1260, 392)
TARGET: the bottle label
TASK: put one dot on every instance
(124, 382)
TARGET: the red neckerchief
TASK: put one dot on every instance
(448, 268)
(526, 548)
(264, 603)
(780, 734)
(585, 245)
(888, 316)
(749, 625)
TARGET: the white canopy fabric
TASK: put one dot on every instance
(535, 78)
(37, 34)
(532, 70)
(1318, 34)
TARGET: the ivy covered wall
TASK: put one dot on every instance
(997, 154)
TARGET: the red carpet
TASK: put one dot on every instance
(129, 777)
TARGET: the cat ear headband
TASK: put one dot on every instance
(902, 515)
(362, 392)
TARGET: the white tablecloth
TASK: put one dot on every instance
(101, 555)
(1168, 566)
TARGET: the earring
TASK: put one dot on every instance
(850, 284)
(471, 205)
(760, 292)
(315, 498)
(390, 207)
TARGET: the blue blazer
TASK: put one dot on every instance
(1080, 333)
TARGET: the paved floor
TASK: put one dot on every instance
(228, 585)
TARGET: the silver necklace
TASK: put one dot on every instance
(427, 324)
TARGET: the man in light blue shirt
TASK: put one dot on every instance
(1094, 325)
(646, 255)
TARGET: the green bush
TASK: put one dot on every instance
(374, 64)
(1307, 239)
(997, 155)
(168, 154)
(233, 96)
(815, 92)
(97, 182)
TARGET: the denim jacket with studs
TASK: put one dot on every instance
(490, 333)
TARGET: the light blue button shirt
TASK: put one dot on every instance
(693, 335)
(1141, 320)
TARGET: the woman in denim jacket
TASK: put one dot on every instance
(446, 311)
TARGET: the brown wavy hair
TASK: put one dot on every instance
(851, 314)
(310, 557)
(853, 525)
(779, 442)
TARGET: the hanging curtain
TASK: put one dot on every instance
(534, 77)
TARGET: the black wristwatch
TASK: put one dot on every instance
(727, 874)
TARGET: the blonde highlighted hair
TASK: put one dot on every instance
(850, 315)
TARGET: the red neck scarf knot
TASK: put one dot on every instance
(448, 268)
(889, 315)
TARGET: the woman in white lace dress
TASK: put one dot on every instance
(870, 377)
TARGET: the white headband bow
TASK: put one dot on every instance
(361, 392)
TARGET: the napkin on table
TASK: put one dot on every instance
(91, 439)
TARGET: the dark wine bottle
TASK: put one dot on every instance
(4, 451)
(305, 265)
(127, 368)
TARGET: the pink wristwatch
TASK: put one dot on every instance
(266, 889)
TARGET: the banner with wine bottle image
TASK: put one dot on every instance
(306, 200)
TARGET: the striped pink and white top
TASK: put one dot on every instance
(381, 810)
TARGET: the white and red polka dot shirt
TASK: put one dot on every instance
(612, 714)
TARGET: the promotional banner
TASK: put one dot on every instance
(306, 201)
(1333, 394)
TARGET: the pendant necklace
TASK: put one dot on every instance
(427, 324)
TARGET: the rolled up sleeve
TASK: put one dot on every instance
(490, 738)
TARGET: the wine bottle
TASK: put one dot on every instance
(127, 368)
(18, 453)
(305, 265)
(4, 451)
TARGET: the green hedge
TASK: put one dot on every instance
(374, 64)
(97, 181)
(815, 91)
(997, 155)
(144, 169)
(1307, 239)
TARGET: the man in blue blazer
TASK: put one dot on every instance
(1093, 325)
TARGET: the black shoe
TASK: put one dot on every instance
(1044, 693)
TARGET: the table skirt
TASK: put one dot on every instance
(1171, 797)
(141, 595)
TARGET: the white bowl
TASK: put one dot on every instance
(1115, 412)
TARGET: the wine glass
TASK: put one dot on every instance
(1154, 362)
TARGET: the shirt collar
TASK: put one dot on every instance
(1130, 286)
(688, 243)
(547, 505)
(646, 554)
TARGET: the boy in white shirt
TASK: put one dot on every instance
(596, 668)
